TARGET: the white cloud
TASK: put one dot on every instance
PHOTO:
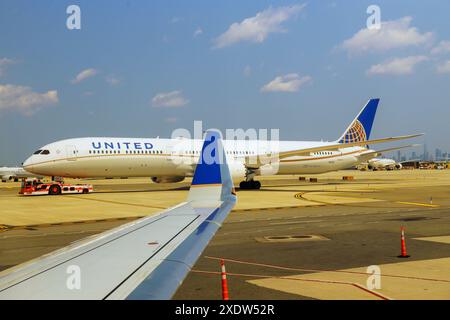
(444, 67)
(112, 80)
(198, 32)
(287, 83)
(4, 62)
(85, 74)
(169, 99)
(256, 29)
(392, 34)
(397, 66)
(441, 48)
(24, 99)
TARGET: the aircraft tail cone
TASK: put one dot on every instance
(403, 253)
(224, 281)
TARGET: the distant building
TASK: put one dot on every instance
(425, 156)
(438, 154)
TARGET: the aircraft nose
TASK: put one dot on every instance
(28, 164)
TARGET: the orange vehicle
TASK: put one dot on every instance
(35, 187)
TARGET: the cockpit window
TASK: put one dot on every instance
(37, 152)
(45, 152)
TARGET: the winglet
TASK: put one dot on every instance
(212, 180)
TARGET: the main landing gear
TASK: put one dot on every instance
(250, 185)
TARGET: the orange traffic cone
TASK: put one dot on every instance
(403, 253)
(224, 281)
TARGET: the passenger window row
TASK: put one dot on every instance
(126, 152)
(241, 152)
(323, 153)
(228, 152)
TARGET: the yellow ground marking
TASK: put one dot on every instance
(276, 198)
(332, 198)
(419, 204)
(117, 202)
(440, 239)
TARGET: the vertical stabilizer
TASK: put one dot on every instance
(361, 127)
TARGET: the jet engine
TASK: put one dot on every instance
(167, 179)
(7, 178)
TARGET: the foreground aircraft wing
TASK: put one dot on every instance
(254, 161)
(145, 259)
(376, 153)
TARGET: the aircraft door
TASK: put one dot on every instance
(71, 153)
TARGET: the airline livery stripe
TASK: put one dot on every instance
(107, 155)
(206, 185)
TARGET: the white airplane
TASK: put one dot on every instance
(15, 173)
(171, 160)
(383, 164)
(146, 259)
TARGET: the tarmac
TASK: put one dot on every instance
(290, 240)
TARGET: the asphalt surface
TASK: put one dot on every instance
(358, 236)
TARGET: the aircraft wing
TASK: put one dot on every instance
(255, 161)
(376, 153)
(145, 259)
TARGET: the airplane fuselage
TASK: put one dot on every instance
(134, 157)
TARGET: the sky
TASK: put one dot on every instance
(144, 68)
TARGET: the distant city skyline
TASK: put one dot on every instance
(425, 155)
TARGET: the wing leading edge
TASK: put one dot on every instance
(145, 259)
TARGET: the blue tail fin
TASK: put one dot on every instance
(361, 126)
(211, 157)
(212, 178)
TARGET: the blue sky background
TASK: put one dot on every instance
(149, 48)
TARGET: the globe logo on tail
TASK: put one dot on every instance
(355, 134)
